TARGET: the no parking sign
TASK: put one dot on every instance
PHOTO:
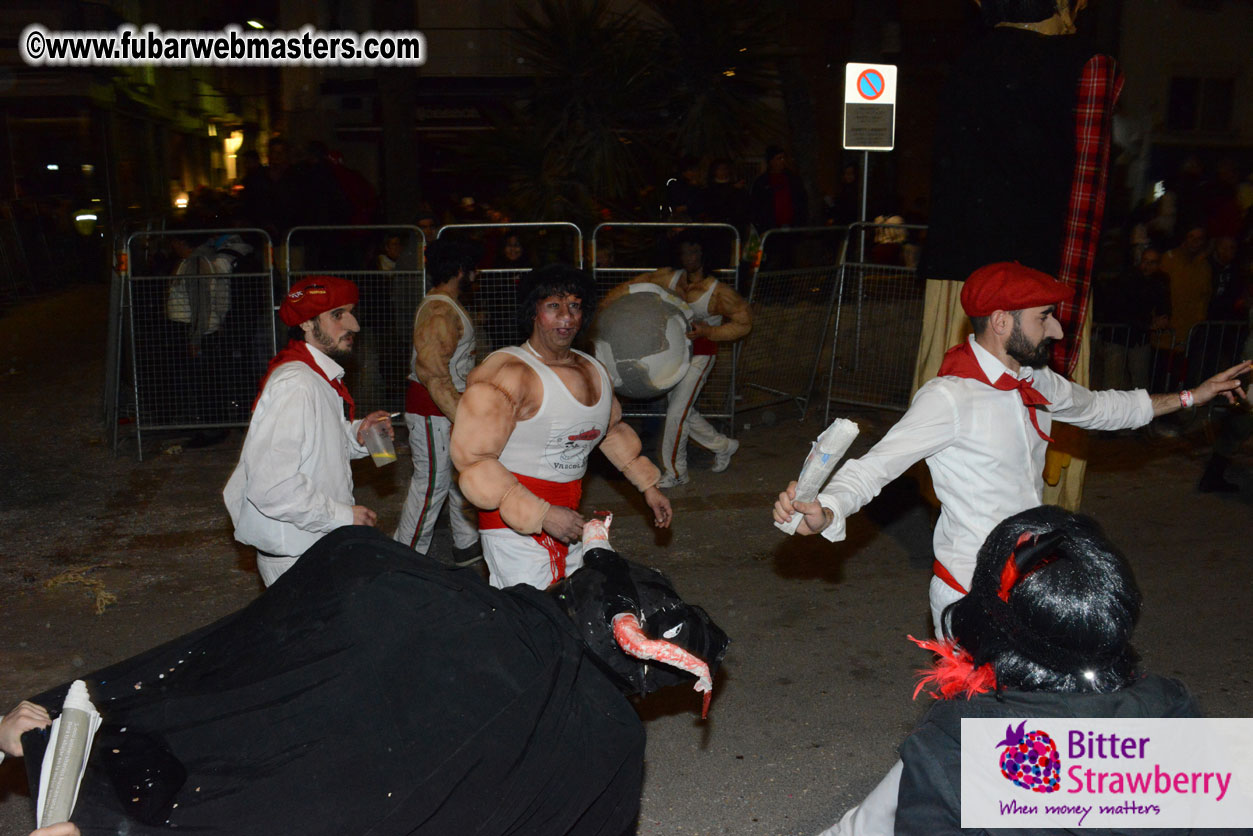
(869, 107)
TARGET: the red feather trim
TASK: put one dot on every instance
(953, 673)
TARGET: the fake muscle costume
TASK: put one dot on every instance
(521, 442)
(443, 354)
(374, 691)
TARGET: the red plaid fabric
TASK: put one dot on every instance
(1099, 86)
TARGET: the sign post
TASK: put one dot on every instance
(869, 114)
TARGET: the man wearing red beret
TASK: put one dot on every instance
(983, 424)
(293, 483)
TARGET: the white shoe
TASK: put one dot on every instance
(668, 481)
(722, 460)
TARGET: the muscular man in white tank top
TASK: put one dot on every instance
(528, 420)
(720, 315)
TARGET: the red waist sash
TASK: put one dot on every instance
(945, 575)
(565, 494)
(418, 400)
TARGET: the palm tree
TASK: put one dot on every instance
(620, 95)
(719, 74)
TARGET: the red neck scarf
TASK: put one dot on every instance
(297, 351)
(960, 361)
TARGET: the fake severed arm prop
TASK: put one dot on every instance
(629, 635)
(435, 334)
(622, 447)
(486, 417)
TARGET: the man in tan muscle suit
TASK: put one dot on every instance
(525, 427)
(443, 355)
(721, 315)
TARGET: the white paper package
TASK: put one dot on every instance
(824, 455)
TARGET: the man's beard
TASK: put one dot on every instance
(1020, 348)
(329, 348)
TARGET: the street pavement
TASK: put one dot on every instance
(815, 692)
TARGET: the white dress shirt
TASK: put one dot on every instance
(293, 483)
(986, 459)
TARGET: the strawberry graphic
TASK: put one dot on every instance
(1030, 759)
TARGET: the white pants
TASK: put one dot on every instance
(683, 421)
(514, 558)
(271, 567)
(941, 596)
(431, 484)
(876, 814)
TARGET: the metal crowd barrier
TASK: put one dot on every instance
(872, 362)
(1127, 358)
(792, 289)
(390, 291)
(640, 244)
(198, 342)
(1214, 345)
(493, 305)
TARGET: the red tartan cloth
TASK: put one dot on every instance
(1099, 86)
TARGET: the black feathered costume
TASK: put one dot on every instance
(371, 690)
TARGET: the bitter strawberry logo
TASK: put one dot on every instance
(1030, 759)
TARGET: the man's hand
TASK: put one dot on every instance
(657, 501)
(814, 516)
(699, 329)
(563, 524)
(23, 718)
(362, 515)
(1225, 383)
(380, 416)
(65, 828)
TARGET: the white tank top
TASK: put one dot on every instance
(554, 444)
(700, 308)
(462, 360)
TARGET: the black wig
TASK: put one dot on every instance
(1052, 605)
(554, 280)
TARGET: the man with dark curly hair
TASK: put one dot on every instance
(528, 421)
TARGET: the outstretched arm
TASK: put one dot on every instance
(661, 278)
(1225, 383)
(622, 447)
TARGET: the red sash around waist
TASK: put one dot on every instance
(565, 494)
(418, 400)
(945, 575)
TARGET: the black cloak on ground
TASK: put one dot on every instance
(371, 690)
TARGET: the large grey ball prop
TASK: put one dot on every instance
(642, 340)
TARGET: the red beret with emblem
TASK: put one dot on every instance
(315, 295)
(1009, 286)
